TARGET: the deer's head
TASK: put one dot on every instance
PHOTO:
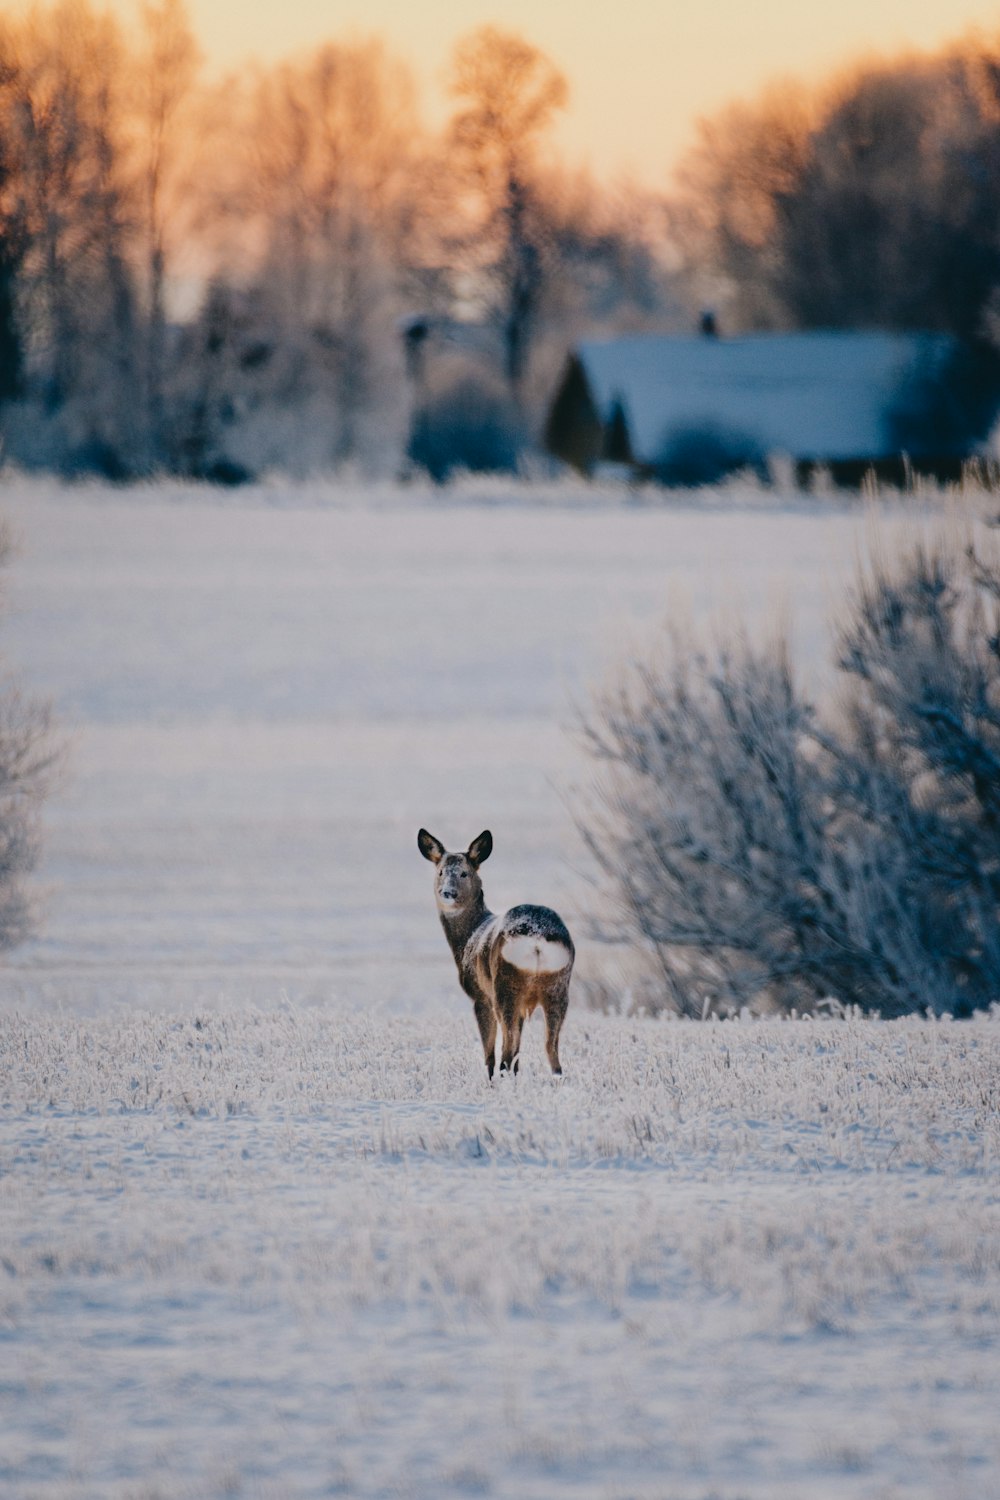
(457, 885)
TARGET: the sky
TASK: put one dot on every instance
(640, 71)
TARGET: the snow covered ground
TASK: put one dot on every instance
(265, 1230)
(265, 701)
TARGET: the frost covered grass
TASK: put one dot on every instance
(292, 1253)
(296, 1248)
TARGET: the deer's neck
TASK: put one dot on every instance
(460, 925)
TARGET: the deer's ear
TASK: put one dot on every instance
(480, 849)
(430, 847)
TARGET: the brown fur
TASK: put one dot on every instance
(503, 993)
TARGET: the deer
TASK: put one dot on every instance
(507, 965)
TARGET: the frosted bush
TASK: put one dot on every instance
(766, 854)
(27, 755)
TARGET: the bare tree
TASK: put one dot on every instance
(320, 194)
(164, 81)
(743, 164)
(508, 93)
(68, 191)
(609, 245)
(866, 204)
(12, 239)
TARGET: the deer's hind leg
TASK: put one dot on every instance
(511, 1054)
(511, 1022)
(555, 1015)
(486, 1018)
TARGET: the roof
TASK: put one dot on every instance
(822, 396)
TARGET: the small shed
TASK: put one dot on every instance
(690, 409)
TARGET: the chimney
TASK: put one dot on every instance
(415, 331)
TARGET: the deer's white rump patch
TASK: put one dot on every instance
(535, 955)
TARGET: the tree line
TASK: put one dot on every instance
(286, 269)
(872, 202)
(314, 224)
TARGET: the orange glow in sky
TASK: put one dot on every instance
(640, 71)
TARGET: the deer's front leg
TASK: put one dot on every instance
(511, 1021)
(486, 1018)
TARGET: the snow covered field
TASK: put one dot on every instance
(265, 702)
(265, 1230)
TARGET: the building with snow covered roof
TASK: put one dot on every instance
(690, 409)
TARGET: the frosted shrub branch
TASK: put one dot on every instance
(765, 855)
(28, 757)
